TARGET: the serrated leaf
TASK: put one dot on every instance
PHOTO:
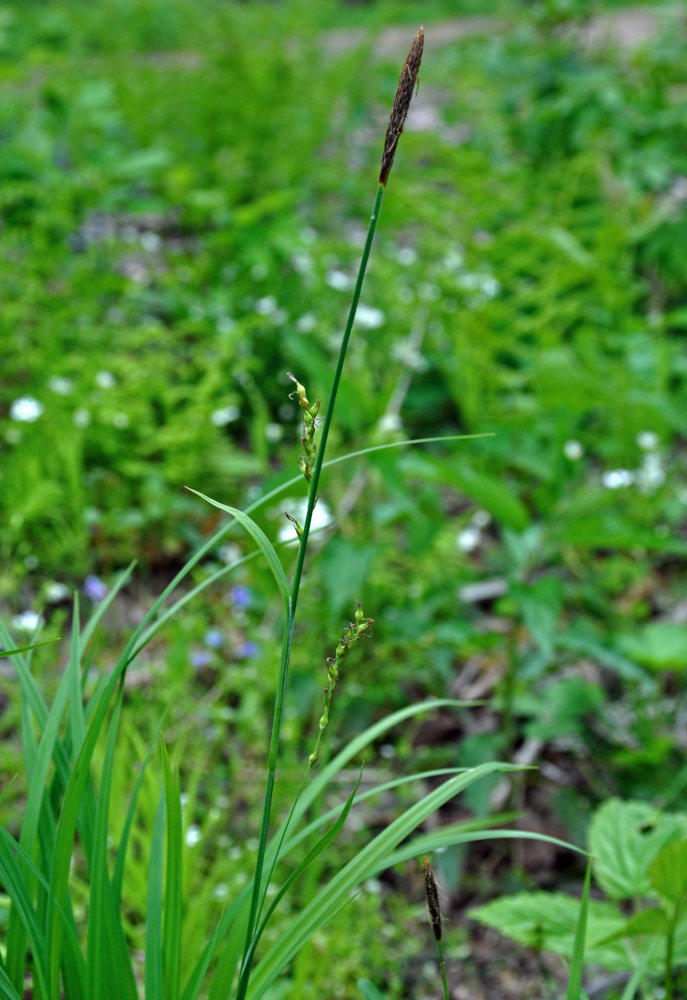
(668, 871)
(548, 921)
(650, 921)
(659, 645)
(624, 839)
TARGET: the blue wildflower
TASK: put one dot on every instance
(94, 588)
(213, 638)
(241, 596)
(201, 658)
(246, 650)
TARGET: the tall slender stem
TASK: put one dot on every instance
(295, 589)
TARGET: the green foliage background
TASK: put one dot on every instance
(183, 194)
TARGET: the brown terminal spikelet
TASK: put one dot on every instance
(399, 112)
(432, 897)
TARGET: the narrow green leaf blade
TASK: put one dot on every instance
(25, 649)
(577, 965)
(171, 939)
(263, 542)
(154, 988)
(338, 890)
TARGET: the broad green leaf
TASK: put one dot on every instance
(650, 921)
(668, 871)
(624, 838)
(548, 921)
(263, 542)
(659, 645)
(369, 990)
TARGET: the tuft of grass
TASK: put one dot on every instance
(66, 828)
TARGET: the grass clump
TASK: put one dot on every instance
(67, 820)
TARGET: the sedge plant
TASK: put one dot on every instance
(49, 949)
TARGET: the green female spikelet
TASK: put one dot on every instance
(360, 627)
(307, 458)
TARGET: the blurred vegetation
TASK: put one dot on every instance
(183, 195)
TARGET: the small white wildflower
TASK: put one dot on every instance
(409, 356)
(274, 432)
(306, 323)
(373, 886)
(647, 440)
(370, 318)
(220, 891)
(303, 263)
(430, 293)
(389, 423)
(481, 518)
(26, 409)
(651, 474)
(615, 479)
(573, 450)
(406, 256)
(56, 592)
(266, 305)
(27, 621)
(81, 417)
(229, 552)
(193, 835)
(225, 415)
(453, 260)
(150, 241)
(468, 539)
(484, 283)
(225, 325)
(339, 280)
(62, 386)
(105, 380)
